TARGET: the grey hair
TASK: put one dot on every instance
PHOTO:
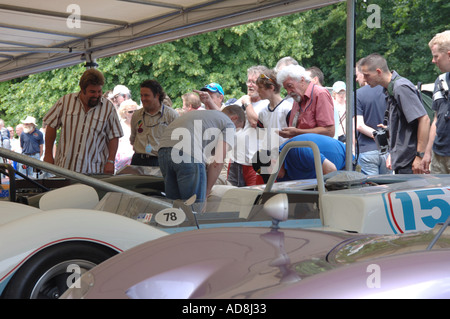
(296, 72)
(285, 61)
(257, 69)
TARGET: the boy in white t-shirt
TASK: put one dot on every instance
(272, 117)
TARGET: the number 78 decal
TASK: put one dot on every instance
(417, 210)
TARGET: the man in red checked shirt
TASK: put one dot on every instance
(312, 111)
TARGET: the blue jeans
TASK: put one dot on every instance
(28, 170)
(184, 179)
(372, 163)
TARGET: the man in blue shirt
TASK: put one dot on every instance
(32, 143)
(299, 162)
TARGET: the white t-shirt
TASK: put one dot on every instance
(271, 120)
(339, 119)
(247, 141)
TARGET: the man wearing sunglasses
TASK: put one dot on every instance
(120, 94)
(240, 172)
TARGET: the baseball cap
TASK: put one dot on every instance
(339, 86)
(213, 87)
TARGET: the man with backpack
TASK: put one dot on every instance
(407, 122)
(437, 153)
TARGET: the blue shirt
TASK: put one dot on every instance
(30, 142)
(371, 104)
(299, 162)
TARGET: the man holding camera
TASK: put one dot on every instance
(408, 122)
(370, 111)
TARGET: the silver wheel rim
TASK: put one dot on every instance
(58, 269)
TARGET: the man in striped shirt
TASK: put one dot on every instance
(90, 129)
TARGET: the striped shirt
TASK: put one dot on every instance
(84, 137)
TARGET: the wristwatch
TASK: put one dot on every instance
(110, 161)
(420, 154)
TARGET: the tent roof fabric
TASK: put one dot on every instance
(41, 35)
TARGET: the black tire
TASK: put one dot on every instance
(45, 275)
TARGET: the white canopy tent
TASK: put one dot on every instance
(41, 35)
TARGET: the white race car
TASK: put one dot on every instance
(380, 205)
(44, 250)
(344, 201)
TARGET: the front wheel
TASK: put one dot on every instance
(49, 273)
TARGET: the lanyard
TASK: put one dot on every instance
(140, 123)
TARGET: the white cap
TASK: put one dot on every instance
(29, 120)
(339, 86)
(120, 89)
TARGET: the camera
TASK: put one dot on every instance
(381, 137)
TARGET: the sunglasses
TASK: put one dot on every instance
(213, 88)
(265, 77)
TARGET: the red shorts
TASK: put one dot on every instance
(251, 177)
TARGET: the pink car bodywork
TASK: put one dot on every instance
(274, 263)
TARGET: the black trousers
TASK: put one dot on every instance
(144, 160)
(405, 169)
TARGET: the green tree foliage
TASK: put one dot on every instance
(222, 56)
(406, 27)
(316, 37)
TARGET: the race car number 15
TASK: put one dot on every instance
(419, 209)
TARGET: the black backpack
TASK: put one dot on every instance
(427, 102)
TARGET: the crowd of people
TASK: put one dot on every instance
(211, 138)
(26, 139)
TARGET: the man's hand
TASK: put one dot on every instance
(288, 132)
(206, 99)
(417, 166)
(109, 168)
(388, 162)
(48, 158)
(425, 163)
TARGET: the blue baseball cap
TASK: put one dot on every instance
(213, 87)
